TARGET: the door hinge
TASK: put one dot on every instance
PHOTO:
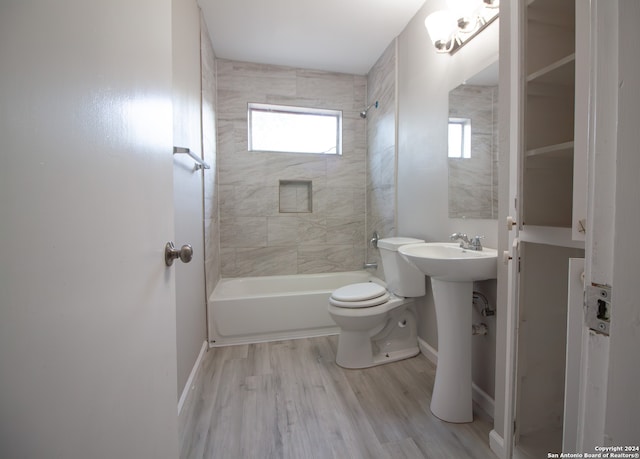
(597, 309)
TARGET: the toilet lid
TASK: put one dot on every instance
(361, 295)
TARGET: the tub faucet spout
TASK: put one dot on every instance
(373, 265)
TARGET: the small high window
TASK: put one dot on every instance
(459, 138)
(282, 128)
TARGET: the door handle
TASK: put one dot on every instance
(185, 253)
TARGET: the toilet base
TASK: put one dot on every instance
(391, 341)
(394, 356)
(380, 358)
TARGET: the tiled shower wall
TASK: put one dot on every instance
(256, 239)
(381, 141)
(211, 222)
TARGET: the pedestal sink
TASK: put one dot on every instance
(452, 270)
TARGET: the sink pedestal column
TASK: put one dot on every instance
(451, 398)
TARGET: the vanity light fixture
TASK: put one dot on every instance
(450, 29)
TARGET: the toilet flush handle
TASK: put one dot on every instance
(185, 253)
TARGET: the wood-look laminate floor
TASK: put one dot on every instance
(289, 399)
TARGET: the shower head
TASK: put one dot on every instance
(363, 113)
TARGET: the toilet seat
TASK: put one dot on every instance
(361, 295)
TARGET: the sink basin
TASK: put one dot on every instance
(449, 262)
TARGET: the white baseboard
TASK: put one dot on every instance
(479, 396)
(496, 443)
(430, 353)
(483, 399)
(192, 375)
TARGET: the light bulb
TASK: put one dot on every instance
(466, 13)
(442, 26)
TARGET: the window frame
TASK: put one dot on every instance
(465, 137)
(294, 110)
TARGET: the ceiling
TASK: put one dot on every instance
(335, 35)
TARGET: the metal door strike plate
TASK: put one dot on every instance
(598, 308)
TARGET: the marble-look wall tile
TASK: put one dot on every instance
(291, 166)
(346, 201)
(359, 94)
(381, 77)
(385, 228)
(265, 261)
(329, 258)
(381, 152)
(211, 223)
(345, 230)
(242, 169)
(381, 167)
(248, 201)
(384, 136)
(312, 230)
(347, 170)
(334, 88)
(256, 237)
(282, 231)
(382, 200)
(256, 80)
(243, 231)
(228, 262)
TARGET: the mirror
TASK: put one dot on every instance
(473, 146)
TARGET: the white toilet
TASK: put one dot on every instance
(378, 324)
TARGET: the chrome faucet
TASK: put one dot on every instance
(374, 240)
(465, 243)
(462, 237)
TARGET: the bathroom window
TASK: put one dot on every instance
(459, 138)
(282, 128)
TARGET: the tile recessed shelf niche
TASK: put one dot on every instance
(295, 196)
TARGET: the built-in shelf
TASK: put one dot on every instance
(560, 150)
(560, 72)
(550, 235)
(295, 196)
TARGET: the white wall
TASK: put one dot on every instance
(424, 81)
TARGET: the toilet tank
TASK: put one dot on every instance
(402, 277)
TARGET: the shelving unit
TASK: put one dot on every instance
(546, 207)
(549, 113)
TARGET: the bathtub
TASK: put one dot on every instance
(256, 309)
